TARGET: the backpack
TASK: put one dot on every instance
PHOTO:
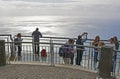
(16, 41)
(64, 51)
(60, 52)
(43, 53)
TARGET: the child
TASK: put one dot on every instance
(43, 55)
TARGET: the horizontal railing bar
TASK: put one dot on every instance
(54, 44)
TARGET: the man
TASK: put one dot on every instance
(36, 35)
(80, 49)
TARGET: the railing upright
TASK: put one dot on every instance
(52, 52)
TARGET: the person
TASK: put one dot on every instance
(112, 44)
(116, 42)
(80, 49)
(71, 50)
(43, 55)
(18, 43)
(36, 35)
(96, 43)
(101, 44)
(68, 53)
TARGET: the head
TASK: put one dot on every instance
(44, 50)
(97, 38)
(37, 29)
(79, 37)
(111, 40)
(19, 35)
(71, 41)
(115, 38)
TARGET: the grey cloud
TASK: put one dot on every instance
(73, 7)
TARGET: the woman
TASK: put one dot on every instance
(68, 52)
(96, 43)
(71, 50)
(116, 47)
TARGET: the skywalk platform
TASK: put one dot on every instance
(31, 71)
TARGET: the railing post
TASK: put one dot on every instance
(105, 63)
(2, 53)
(52, 52)
(12, 47)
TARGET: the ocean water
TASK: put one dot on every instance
(64, 26)
(65, 18)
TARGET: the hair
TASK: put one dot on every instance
(19, 35)
(97, 38)
(79, 36)
(71, 41)
(111, 40)
(101, 44)
(115, 38)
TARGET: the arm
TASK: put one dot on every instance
(84, 34)
(40, 35)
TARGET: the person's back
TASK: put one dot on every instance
(36, 35)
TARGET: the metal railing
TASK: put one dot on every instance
(52, 45)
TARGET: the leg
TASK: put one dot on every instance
(80, 55)
(78, 58)
(37, 49)
(66, 60)
(71, 58)
(95, 59)
(19, 50)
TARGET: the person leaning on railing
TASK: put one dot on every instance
(36, 35)
(96, 43)
(116, 42)
(68, 54)
(101, 44)
(18, 43)
(112, 44)
(71, 50)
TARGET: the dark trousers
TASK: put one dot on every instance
(36, 48)
(71, 58)
(19, 50)
(79, 57)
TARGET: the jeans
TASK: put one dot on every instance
(114, 62)
(95, 58)
(79, 57)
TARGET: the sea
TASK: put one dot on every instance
(62, 18)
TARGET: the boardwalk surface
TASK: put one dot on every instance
(43, 72)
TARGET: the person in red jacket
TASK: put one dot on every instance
(43, 55)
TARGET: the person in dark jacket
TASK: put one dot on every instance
(36, 35)
(80, 49)
(18, 44)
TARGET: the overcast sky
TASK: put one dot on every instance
(88, 14)
(96, 8)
